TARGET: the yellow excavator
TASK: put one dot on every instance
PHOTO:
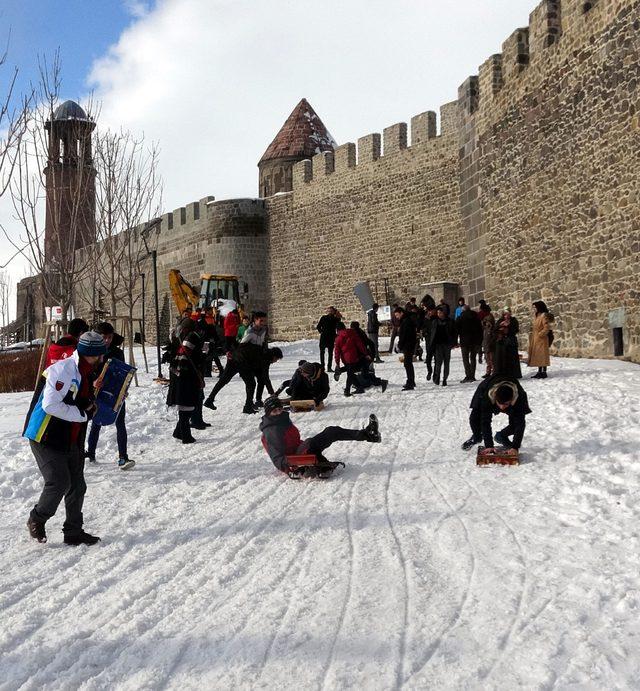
(219, 291)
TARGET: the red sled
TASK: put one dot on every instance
(307, 465)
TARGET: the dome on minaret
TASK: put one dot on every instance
(69, 110)
(302, 136)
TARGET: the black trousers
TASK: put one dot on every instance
(429, 357)
(63, 473)
(394, 335)
(408, 368)
(515, 428)
(230, 371)
(326, 344)
(442, 354)
(316, 445)
(352, 380)
(469, 358)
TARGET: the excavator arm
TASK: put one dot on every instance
(184, 294)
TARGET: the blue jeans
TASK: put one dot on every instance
(121, 435)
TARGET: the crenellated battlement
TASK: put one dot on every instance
(376, 148)
(556, 29)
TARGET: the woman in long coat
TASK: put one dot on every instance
(539, 339)
(185, 379)
(506, 359)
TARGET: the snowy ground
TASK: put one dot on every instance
(411, 569)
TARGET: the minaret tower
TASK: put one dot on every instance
(70, 221)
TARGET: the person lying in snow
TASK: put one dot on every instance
(281, 438)
(498, 394)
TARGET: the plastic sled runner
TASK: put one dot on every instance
(307, 465)
(111, 388)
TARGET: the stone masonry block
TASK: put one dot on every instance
(179, 217)
(490, 76)
(322, 164)
(449, 118)
(345, 157)
(515, 54)
(423, 127)
(468, 95)
(302, 173)
(395, 138)
(545, 26)
(193, 212)
(369, 148)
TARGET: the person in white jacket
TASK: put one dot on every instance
(56, 423)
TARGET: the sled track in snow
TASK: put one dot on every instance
(516, 622)
(347, 596)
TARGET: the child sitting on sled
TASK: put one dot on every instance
(281, 438)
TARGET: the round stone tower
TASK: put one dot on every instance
(302, 136)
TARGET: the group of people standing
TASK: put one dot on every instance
(478, 333)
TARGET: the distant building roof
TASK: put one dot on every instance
(302, 136)
(69, 110)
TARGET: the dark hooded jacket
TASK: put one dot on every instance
(484, 402)
(280, 438)
(407, 336)
(314, 387)
(469, 328)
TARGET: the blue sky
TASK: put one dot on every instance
(82, 30)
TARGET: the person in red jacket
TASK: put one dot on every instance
(281, 438)
(231, 326)
(64, 346)
(351, 351)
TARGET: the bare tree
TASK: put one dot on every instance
(6, 286)
(53, 189)
(13, 122)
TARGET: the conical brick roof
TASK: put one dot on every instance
(302, 136)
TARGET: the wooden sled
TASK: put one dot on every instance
(306, 465)
(305, 406)
(502, 456)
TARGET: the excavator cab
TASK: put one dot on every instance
(218, 287)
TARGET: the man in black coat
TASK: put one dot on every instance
(469, 328)
(407, 339)
(327, 328)
(373, 329)
(498, 394)
(309, 382)
(427, 326)
(443, 338)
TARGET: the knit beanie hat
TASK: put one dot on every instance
(91, 343)
(308, 368)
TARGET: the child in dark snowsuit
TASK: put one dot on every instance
(281, 438)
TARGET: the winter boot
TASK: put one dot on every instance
(91, 457)
(384, 384)
(444, 382)
(36, 530)
(336, 374)
(185, 428)
(81, 538)
(177, 432)
(408, 387)
(471, 442)
(372, 431)
(209, 404)
(249, 409)
(502, 439)
(126, 463)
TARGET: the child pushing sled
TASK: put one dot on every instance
(297, 457)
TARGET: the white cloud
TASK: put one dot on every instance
(213, 80)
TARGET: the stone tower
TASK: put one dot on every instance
(302, 136)
(70, 221)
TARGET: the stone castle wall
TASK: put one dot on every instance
(381, 211)
(549, 151)
(530, 191)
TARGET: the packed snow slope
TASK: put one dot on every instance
(412, 568)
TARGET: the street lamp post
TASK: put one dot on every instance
(154, 260)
